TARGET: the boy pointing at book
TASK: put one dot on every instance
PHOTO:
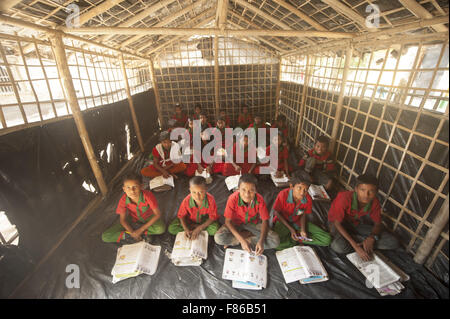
(355, 220)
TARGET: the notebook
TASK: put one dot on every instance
(135, 259)
(318, 192)
(301, 263)
(232, 182)
(159, 183)
(187, 252)
(376, 271)
(247, 270)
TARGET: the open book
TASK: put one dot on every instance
(187, 252)
(205, 175)
(281, 181)
(376, 271)
(301, 263)
(159, 183)
(318, 192)
(135, 259)
(247, 270)
(232, 182)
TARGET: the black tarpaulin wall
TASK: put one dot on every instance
(320, 109)
(42, 169)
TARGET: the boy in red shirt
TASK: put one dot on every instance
(317, 164)
(291, 208)
(138, 211)
(161, 156)
(241, 149)
(197, 212)
(244, 118)
(180, 117)
(280, 123)
(355, 220)
(283, 155)
(223, 115)
(247, 220)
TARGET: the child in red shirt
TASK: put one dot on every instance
(247, 219)
(240, 164)
(355, 220)
(138, 211)
(197, 212)
(283, 155)
(223, 115)
(245, 118)
(291, 208)
(180, 117)
(317, 164)
(161, 156)
(280, 124)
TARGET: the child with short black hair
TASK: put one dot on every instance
(280, 124)
(179, 117)
(355, 220)
(139, 213)
(197, 212)
(317, 164)
(161, 157)
(223, 115)
(244, 118)
(291, 208)
(247, 219)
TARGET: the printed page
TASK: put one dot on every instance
(181, 247)
(241, 266)
(127, 259)
(203, 174)
(232, 182)
(169, 181)
(318, 192)
(376, 271)
(310, 261)
(290, 265)
(245, 285)
(199, 246)
(156, 182)
(281, 180)
(149, 258)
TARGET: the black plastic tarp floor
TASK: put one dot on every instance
(84, 247)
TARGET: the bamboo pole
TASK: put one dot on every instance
(209, 32)
(277, 92)
(216, 75)
(131, 104)
(302, 104)
(337, 117)
(63, 68)
(155, 89)
(433, 233)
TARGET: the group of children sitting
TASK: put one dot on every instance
(354, 216)
(316, 166)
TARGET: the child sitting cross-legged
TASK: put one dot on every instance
(317, 164)
(197, 212)
(138, 211)
(247, 220)
(292, 207)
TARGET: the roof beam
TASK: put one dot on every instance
(221, 14)
(348, 12)
(273, 46)
(268, 17)
(416, 8)
(215, 31)
(140, 16)
(374, 36)
(251, 24)
(101, 8)
(185, 24)
(166, 21)
(300, 14)
(163, 45)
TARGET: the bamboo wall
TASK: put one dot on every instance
(394, 123)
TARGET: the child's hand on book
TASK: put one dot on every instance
(196, 232)
(188, 233)
(362, 252)
(259, 249)
(246, 246)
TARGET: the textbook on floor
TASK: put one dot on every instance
(247, 270)
(187, 252)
